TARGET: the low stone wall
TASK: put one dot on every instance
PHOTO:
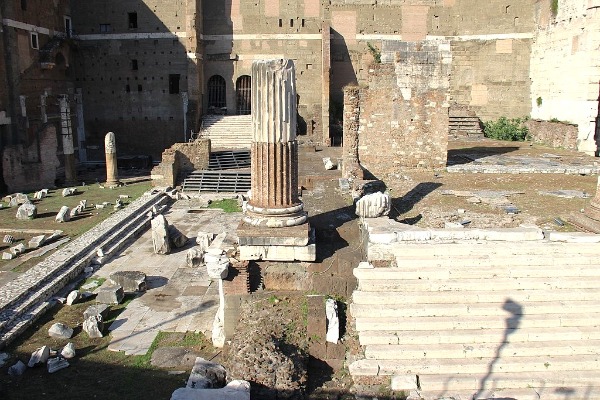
(553, 134)
(179, 159)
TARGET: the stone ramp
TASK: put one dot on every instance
(228, 131)
(482, 320)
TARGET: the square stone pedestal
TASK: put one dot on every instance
(292, 243)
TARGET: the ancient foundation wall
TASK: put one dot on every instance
(553, 134)
(565, 74)
(179, 159)
(404, 109)
(32, 167)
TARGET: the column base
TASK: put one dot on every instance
(275, 217)
(593, 211)
(295, 243)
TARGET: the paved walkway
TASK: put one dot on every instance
(179, 298)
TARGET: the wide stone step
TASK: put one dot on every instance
(475, 296)
(468, 310)
(443, 272)
(494, 249)
(480, 366)
(469, 336)
(492, 284)
(480, 350)
(475, 322)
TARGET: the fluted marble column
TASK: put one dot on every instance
(593, 210)
(274, 198)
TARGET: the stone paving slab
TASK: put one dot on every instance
(503, 164)
(179, 298)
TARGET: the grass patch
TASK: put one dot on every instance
(227, 205)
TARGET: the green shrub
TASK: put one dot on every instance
(375, 53)
(538, 101)
(506, 129)
(554, 7)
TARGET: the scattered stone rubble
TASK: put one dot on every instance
(373, 205)
(26, 211)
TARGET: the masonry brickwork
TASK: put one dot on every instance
(148, 70)
(181, 159)
(409, 128)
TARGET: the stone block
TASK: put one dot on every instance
(130, 281)
(26, 211)
(97, 309)
(404, 382)
(206, 375)
(36, 241)
(60, 331)
(110, 294)
(279, 253)
(235, 390)
(250, 235)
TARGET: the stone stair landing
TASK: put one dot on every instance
(471, 320)
(228, 131)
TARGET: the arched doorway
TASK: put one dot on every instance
(216, 92)
(243, 95)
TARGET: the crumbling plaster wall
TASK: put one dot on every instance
(409, 129)
(126, 73)
(565, 72)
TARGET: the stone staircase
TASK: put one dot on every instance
(468, 320)
(460, 126)
(217, 182)
(27, 297)
(229, 159)
(228, 131)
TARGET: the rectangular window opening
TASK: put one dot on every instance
(127, 88)
(34, 40)
(303, 22)
(291, 23)
(280, 22)
(24, 5)
(173, 83)
(105, 28)
(134, 65)
(132, 17)
(139, 88)
(68, 28)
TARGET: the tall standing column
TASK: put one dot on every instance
(274, 200)
(110, 148)
(275, 226)
(67, 140)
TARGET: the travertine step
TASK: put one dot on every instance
(443, 272)
(529, 393)
(228, 131)
(468, 336)
(493, 249)
(476, 309)
(476, 366)
(481, 296)
(475, 322)
(491, 284)
(480, 350)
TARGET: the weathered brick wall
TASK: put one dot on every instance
(565, 74)
(491, 41)
(237, 33)
(125, 73)
(350, 162)
(553, 134)
(404, 109)
(179, 159)
(33, 167)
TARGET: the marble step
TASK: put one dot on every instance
(443, 272)
(469, 336)
(480, 366)
(490, 248)
(475, 322)
(492, 284)
(531, 393)
(463, 351)
(481, 295)
(500, 310)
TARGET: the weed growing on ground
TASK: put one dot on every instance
(512, 129)
(227, 205)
